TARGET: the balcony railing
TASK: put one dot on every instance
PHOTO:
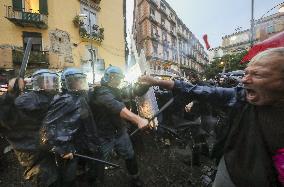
(26, 19)
(163, 6)
(97, 34)
(163, 26)
(36, 57)
(172, 33)
(163, 10)
(155, 37)
(171, 18)
(153, 18)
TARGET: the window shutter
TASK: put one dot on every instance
(43, 7)
(17, 5)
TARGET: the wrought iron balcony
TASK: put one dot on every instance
(97, 34)
(36, 57)
(171, 18)
(155, 37)
(163, 26)
(172, 33)
(26, 19)
(153, 18)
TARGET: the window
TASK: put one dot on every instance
(155, 49)
(173, 42)
(90, 21)
(163, 6)
(152, 11)
(154, 31)
(172, 28)
(33, 6)
(163, 21)
(165, 54)
(164, 35)
(37, 40)
(175, 55)
(180, 47)
(270, 29)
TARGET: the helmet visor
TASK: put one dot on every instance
(46, 82)
(76, 82)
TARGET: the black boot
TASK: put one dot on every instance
(132, 168)
(136, 181)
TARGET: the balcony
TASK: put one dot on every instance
(36, 57)
(163, 26)
(181, 35)
(171, 18)
(155, 37)
(26, 19)
(153, 19)
(97, 34)
(172, 33)
(163, 9)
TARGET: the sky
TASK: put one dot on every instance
(218, 18)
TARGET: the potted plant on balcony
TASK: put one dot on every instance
(83, 32)
(102, 32)
(98, 35)
(77, 21)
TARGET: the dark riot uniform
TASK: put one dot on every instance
(106, 104)
(21, 120)
(69, 127)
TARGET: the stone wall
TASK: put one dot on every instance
(60, 49)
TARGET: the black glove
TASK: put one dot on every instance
(63, 149)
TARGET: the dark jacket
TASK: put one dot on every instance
(69, 125)
(106, 104)
(21, 119)
(255, 134)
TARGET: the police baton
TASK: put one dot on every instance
(96, 160)
(157, 114)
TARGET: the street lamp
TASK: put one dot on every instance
(252, 23)
(281, 9)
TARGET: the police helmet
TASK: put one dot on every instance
(46, 80)
(112, 70)
(74, 79)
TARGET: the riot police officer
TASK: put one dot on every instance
(111, 114)
(69, 127)
(21, 124)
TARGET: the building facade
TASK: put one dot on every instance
(80, 33)
(263, 29)
(169, 45)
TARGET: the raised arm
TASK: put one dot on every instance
(215, 95)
